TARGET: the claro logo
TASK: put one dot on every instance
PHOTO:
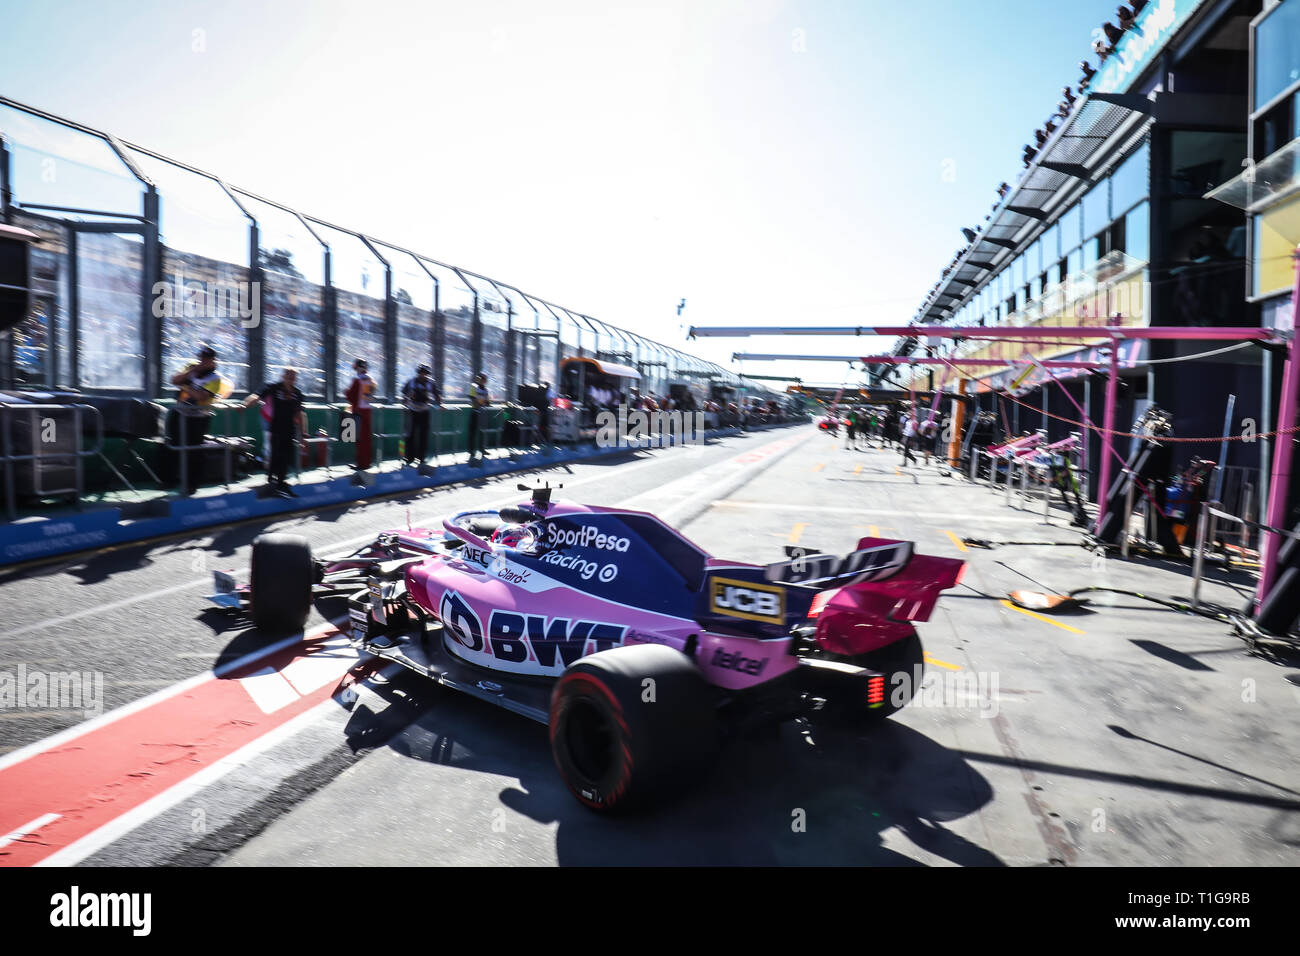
(748, 600)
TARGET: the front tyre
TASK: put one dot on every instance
(631, 726)
(280, 582)
(902, 663)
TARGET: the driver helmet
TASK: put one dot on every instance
(512, 535)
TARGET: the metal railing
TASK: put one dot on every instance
(184, 451)
(443, 440)
(1019, 475)
(225, 433)
(1237, 489)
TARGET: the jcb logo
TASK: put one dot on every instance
(754, 602)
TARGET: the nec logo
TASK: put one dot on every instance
(745, 599)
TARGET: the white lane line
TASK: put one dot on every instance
(719, 481)
(96, 840)
(27, 829)
(103, 720)
(118, 827)
(324, 549)
(269, 690)
(919, 515)
(101, 608)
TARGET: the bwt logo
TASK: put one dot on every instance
(196, 299)
(632, 428)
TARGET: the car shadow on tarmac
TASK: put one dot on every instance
(792, 797)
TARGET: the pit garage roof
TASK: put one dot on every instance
(1072, 155)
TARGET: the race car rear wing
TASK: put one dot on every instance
(876, 563)
(767, 601)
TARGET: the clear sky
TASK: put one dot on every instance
(770, 161)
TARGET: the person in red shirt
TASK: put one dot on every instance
(358, 399)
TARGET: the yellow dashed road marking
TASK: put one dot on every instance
(931, 659)
(797, 532)
(857, 470)
(819, 466)
(961, 546)
(1043, 618)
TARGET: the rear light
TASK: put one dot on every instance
(820, 600)
(876, 690)
(961, 573)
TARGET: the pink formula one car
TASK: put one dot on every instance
(638, 649)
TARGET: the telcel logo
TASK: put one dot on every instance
(738, 662)
(748, 600)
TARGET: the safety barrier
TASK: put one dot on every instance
(1017, 475)
(386, 445)
(1236, 486)
(208, 454)
(1277, 611)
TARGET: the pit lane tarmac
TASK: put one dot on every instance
(1124, 735)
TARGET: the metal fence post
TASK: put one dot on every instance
(1047, 495)
(81, 469)
(1128, 514)
(10, 495)
(1198, 562)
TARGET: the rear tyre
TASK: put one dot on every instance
(631, 726)
(280, 582)
(902, 663)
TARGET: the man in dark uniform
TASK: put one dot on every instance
(480, 400)
(288, 420)
(419, 394)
